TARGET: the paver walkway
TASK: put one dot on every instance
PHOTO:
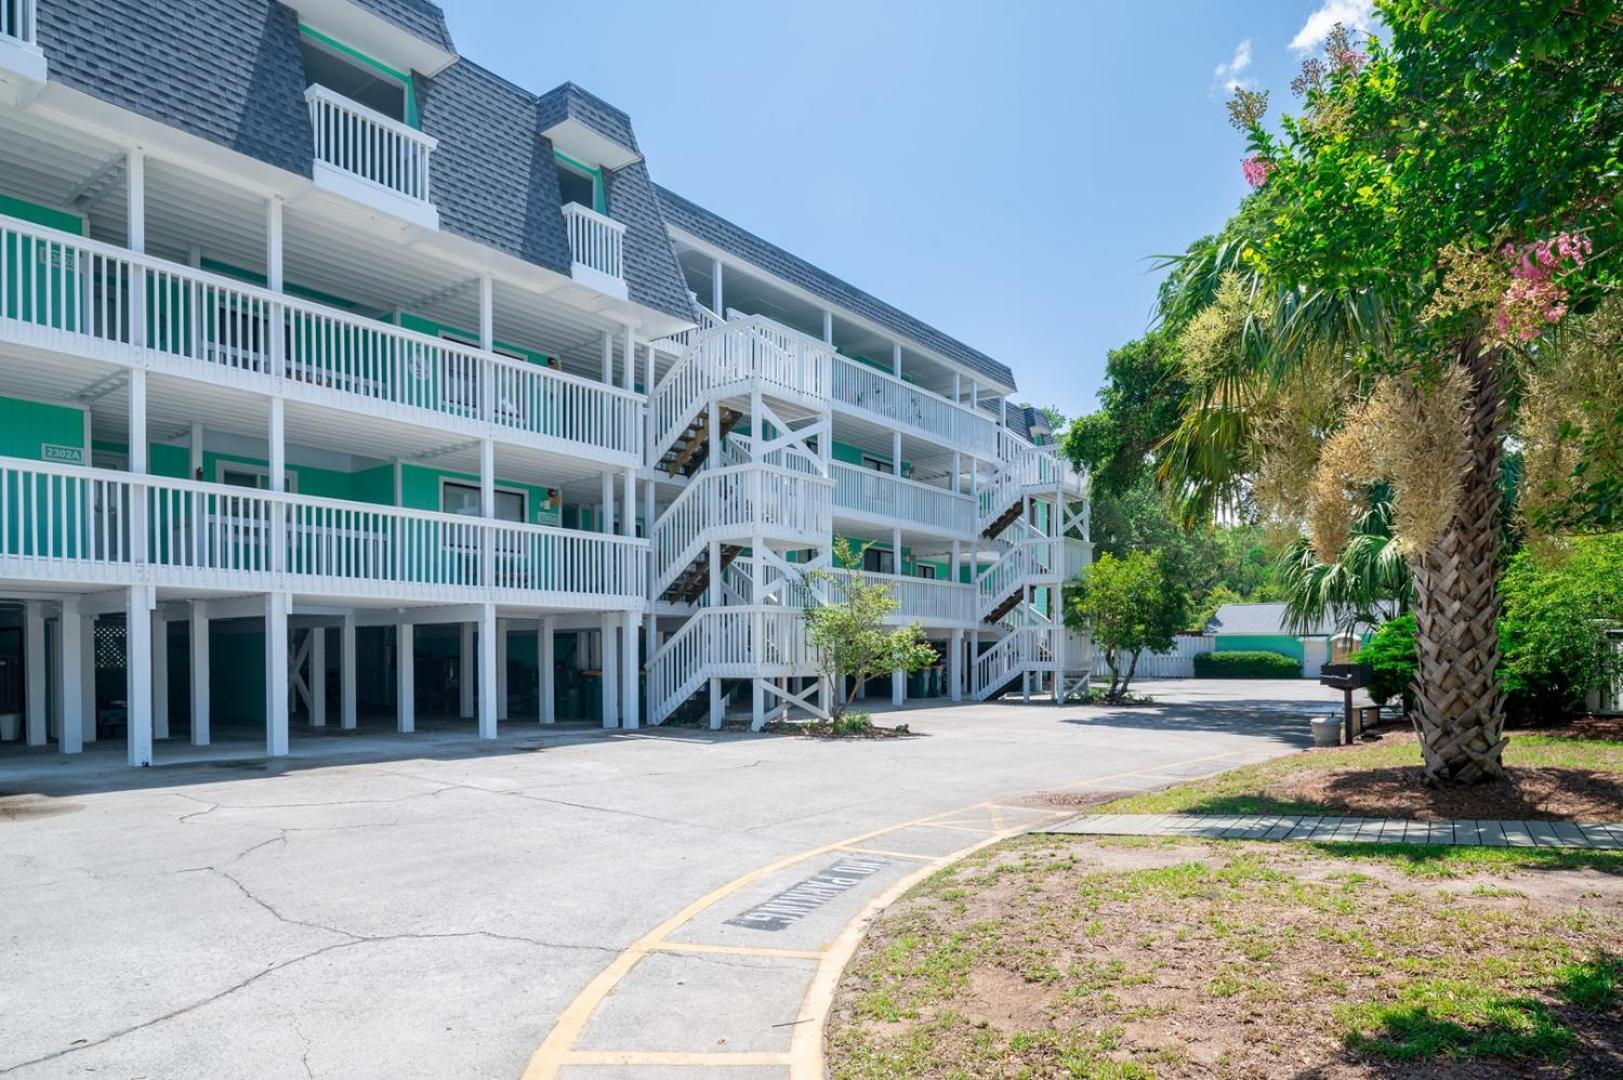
(1553, 834)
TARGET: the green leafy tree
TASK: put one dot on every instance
(1390, 653)
(1127, 604)
(1437, 207)
(851, 637)
(1559, 603)
(1143, 389)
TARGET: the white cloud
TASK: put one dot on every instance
(1228, 72)
(1353, 14)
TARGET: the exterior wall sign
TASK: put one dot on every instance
(66, 455)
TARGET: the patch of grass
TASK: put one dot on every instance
(1447, 861)
(1591, 984)
(1254, 789)
(1431, 1018)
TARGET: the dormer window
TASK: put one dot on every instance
(358, 77)
(580, 184)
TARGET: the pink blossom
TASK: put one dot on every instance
(1256, 169)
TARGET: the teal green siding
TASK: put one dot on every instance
(1283, 644)
(26, 427)
(420, 490)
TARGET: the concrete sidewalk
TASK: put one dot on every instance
(1338, 829)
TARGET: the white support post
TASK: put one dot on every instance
(898, 678)
(276, 605)
(896, 359)
(607, 485)
(718, 707)
(465, 676)
(828, 327)
(607, 345)
(87, 677)
(273, 243)
(138, 674)
(160, 674)
(318, 676)
(628, 379)
(487, 671)
(628, 505)
(955, 667)
(716, 298)
(199, 645)
(70, 645)
(138, 421)
(487, 313)
(546, 650)
(194, 448)
(630, 696)
(346, 663)
(405, 656)
(957, 388)
(36, 692)
(502, 711)
(135, 191)
(611, 669)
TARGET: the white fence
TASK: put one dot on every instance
(891, 399)
(595, 241)
(368, 145)
(1179, 663)
(925, 599)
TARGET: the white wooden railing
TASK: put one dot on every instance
(678, 342)
(1022, 650)
(1018, 566)
(368, 145)
(894, 401)
(731, 352)
(877, 494)
(60, 522)
(733, 502)
(17, 20)
(727, 643)
(924, 599)
(1024, 466)
(595, 241)
(60, 291)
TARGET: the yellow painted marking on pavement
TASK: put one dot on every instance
(952, 825)
(805, 1058)
(997, 818)
(743, 1058)
(737, 950)
(883, 854)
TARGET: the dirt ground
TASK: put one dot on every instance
(1069, 956)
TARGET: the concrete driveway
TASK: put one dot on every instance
(428, 906)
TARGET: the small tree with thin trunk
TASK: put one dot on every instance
(1127, 604)
(850, 634)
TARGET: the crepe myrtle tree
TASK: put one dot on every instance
(1439, 206)
(1126, 604)
(850, 635)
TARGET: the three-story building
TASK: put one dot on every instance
(346, 383)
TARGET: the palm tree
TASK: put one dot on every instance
(1366, 584)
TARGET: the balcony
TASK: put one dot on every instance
(370, 158)
(888, 500)
(72, 524)
(596, 244)
(924, 600)
(892, 402)
(22, 64)
(64, 293)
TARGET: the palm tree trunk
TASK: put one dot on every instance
(1459, 701)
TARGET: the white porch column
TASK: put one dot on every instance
(135, 193)
(957, 388)
(194, 451)
(607, 345)
(501, 669)
(160, 674)
(896, 361)
(628, 380)
(199, 645)
(828, 327)
(718, 707)
(405, 679)
(716, 298)
(87, 677)
(546, 655)
(70, 738)
(276, 605)
(611, 669)
(630, 695)
(607, 525)
(346, 662)
(487, 312)
(318, 676)
(138, 674)
(487, 671)
(898, 679)
(138, 421)
(465, 677)
(955, 667)
(628, 505)
(37, 701)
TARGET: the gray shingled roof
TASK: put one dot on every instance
(570, 101)
(1249, 619)
(717, 230)
(416, 17)
(230, 71)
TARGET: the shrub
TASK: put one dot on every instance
(852, 724)
(1247, 664)
(1391, 654)
(1558, 604)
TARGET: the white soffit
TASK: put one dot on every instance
(574, 139)
(373, 35)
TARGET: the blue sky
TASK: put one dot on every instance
(1003, 171)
